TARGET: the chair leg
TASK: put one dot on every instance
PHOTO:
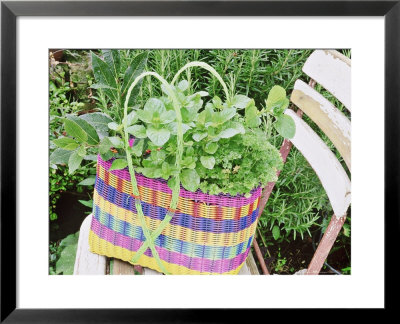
(260, 257)
(325, 245)
(284, 151)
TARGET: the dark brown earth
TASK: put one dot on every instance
(290, 256)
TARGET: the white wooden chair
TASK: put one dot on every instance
(88, 263)
(332, 70)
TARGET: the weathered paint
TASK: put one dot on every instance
(260, 257)
(86, 262)
(339, 56)
(328, 169)
(330, 119)
(333, 71)
(325, 245)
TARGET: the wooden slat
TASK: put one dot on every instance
(330, 119)
(244, 270)
(330, 172)
(333, 71)
(251, 264)
(249, 267)
(122, 268)
(86, 262)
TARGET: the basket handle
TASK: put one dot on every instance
(206, 67)
(151, 237)
(179, 152)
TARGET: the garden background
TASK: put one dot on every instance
(298, 210)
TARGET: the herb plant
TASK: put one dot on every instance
(219, 146)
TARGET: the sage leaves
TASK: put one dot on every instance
(81, 130)
(74, 130)
(99, 121)
(134, 69)
(60, 156)
(104, 76)
(74, 161)
(112, 58)
(66, 143)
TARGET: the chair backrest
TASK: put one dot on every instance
(332, 70)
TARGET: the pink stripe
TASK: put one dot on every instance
(193, 263)
(161, 185)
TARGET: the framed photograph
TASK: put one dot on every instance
(54, 53)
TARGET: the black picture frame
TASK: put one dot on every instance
(10, 10)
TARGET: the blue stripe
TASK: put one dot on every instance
(169, 243)
(109, 193)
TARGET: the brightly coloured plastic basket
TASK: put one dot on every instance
(210, 234)
(143, 221)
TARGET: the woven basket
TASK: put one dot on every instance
(140, 220)
(209, 234)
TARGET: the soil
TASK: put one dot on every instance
(291, 256)
(71, 214)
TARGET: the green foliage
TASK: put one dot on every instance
(62, 255)
(119, 164)
(241, 164)
(68, 94)
(61, 181)
(285, 126)
(98, 132)
(211, 131)
(297, 201)
(276, 232)
(280, 263)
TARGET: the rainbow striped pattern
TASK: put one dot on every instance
(210, 234)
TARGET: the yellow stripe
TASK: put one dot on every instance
(102, 247)
(184, 205)
(176, 231)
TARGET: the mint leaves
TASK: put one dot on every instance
(118, 164)
(159, 136)
(276, 105)
(285, 126)
(190, 179)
